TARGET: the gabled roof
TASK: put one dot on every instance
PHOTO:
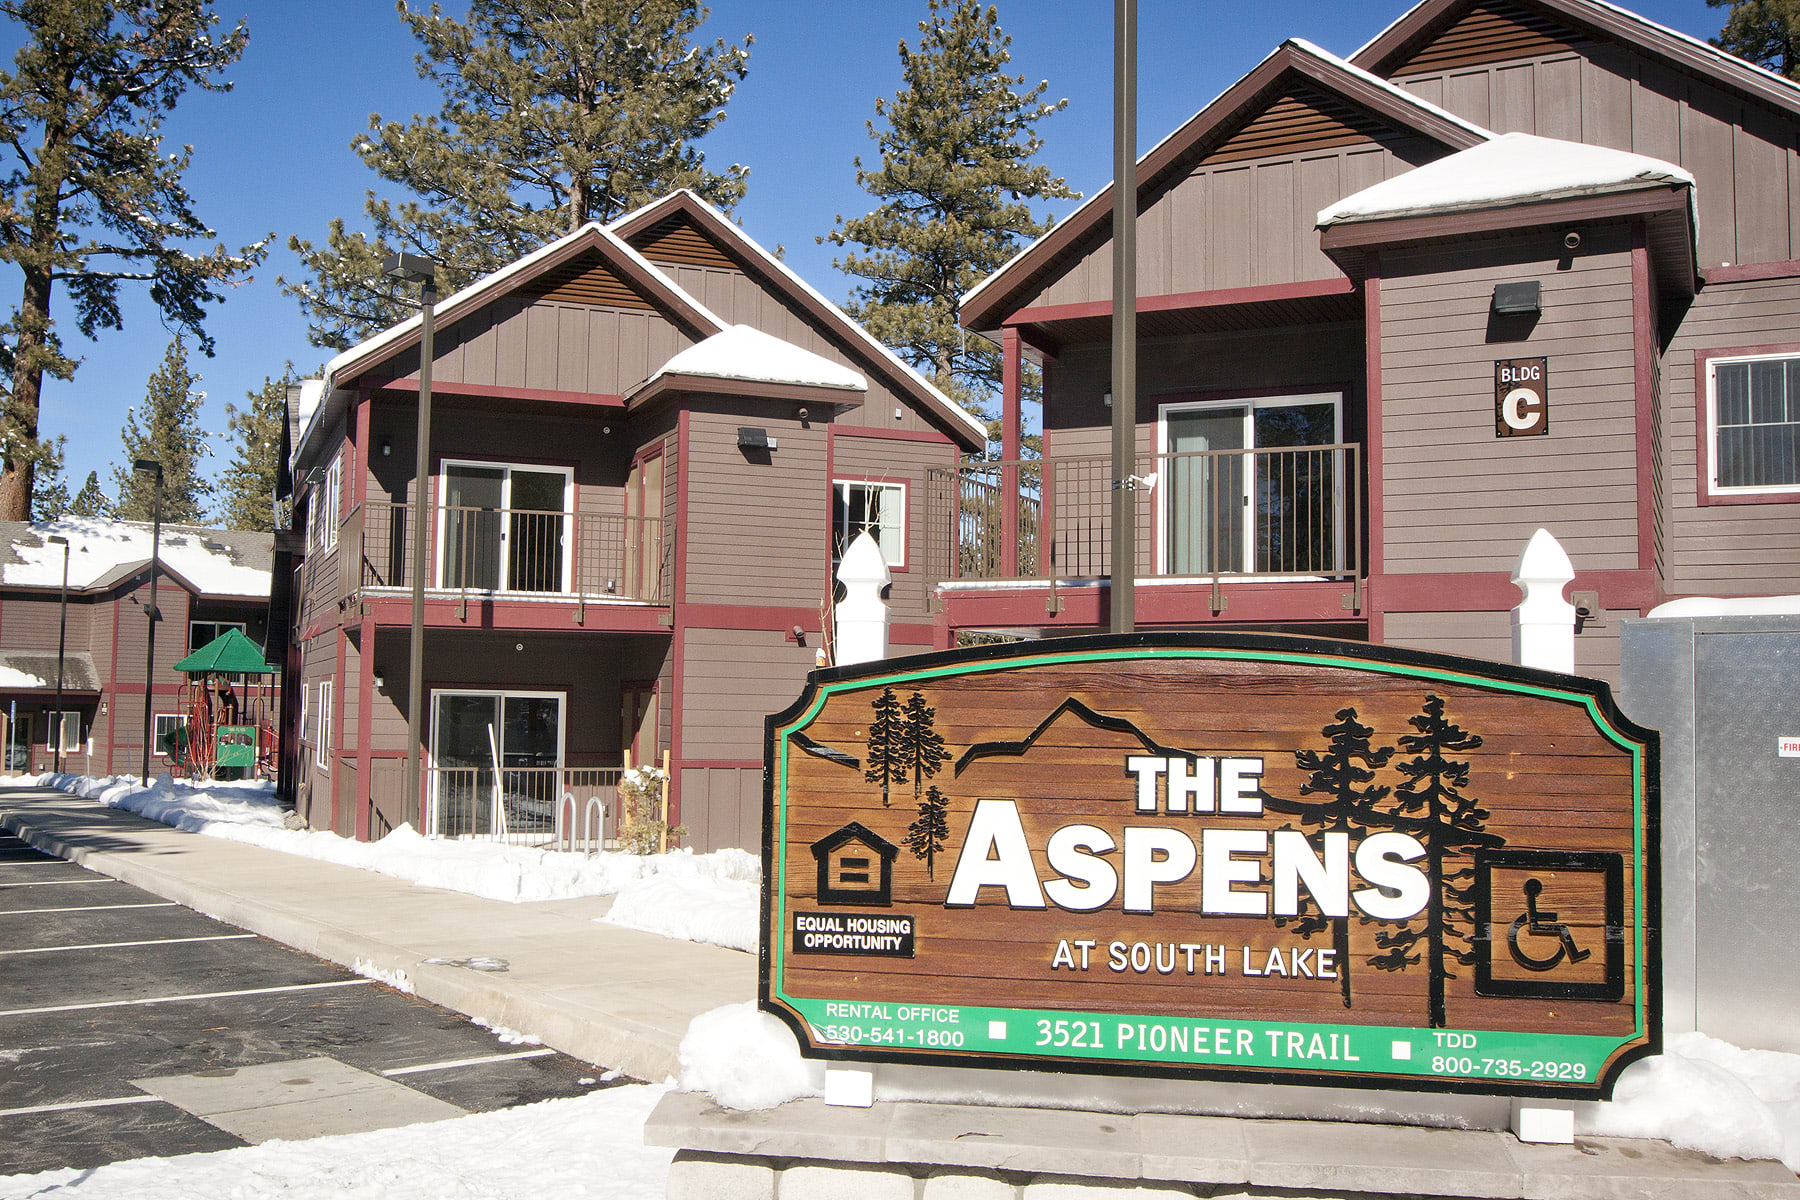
(1294, 61)
(103, 554)
(593, 238)
(750, 256)
(743, 361)
(1390, 49)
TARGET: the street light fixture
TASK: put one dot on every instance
(153, 468)
(62, 640)
(416, 268)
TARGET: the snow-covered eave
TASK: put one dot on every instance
(1105, 195)
(946, 407)
(360, 356)
(672, 383)
(1522, 203)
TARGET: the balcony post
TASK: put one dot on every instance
(1010, 439)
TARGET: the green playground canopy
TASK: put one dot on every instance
(231, 653)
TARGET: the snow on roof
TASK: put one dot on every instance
(10, 678)
(1300, 44)
(1512, 168)
(217, 562)
(1742, 606)
(976, 427)
(741, 352)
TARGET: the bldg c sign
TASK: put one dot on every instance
(1225, 856)
(1521, 397)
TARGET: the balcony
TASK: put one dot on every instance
(1212, 518)
(510, 555)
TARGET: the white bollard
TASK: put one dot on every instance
(862, 617)
(1544, 622)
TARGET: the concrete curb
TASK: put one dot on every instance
(608, 1035)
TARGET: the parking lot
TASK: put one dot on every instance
(131, 1026)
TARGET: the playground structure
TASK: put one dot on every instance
(227, 704)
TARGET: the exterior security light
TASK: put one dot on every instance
(409, 268)
(1511, 299)
(751, 438)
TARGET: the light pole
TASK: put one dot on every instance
(416, 268)
(154, 468)
(62, 640)
(1123, 599)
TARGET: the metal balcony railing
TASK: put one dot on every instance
(1283, 513)
(508, 552)
(548, 808)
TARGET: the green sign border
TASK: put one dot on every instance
(1599, 1055)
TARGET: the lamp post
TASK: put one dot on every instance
(62, 640)
(416, 268)
(153, 468)
(1123, 599)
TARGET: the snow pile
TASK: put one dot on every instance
(1513, 168)
(12, 678)
(589, 1147)
(512, 1037)
(1740, 606)
(1707, 1095)
(746, 1059)
(710, 898)
(741, 352)
(97, 546)
(396, 978)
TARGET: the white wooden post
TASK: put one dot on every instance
(1544, 622)
(862, 617)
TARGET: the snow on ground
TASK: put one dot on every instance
(709, 898)
(587, 1148)
(1700, 1094)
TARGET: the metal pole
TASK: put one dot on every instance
(150, 648)
(62, 642)
(1124, 306)
(415, 682)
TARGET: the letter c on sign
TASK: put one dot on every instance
(1522, 409)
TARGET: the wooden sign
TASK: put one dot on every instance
(1521, 397)
(1223, 856)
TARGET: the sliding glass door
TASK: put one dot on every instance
(504, 528)
(472, 733)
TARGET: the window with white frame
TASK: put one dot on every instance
(328, 503)
(203, 633)
(322, 750)
(166, 725)
(1753, 425)
(877, 508)
(69, 723)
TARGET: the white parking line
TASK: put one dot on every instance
(295, 987)
(49, 1108)
(19, 912)
(55, 882)
(37, 862)
(466, 1062)
(222, 937)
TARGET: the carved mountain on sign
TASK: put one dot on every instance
(1071, 706)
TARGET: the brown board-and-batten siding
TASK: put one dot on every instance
(1563, 84)
(1456, 498)
(1725, 549)
(757, 521)
(896, 461)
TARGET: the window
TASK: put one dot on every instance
(322, 512)
(502, 528)
(203, 633)
(1753, 425)
(70, 724)
(322, 751)
(879, 508)
(167, 725)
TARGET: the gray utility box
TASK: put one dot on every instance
(1725, 692)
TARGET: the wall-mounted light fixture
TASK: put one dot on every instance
(797, 636)
(1512, 299)
(387, 447)
(1106, 399)
(380, 678)
(752, 438)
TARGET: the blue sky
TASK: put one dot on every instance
(273, 154)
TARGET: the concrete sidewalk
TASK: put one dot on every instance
(608, 995)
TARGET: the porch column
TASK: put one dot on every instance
(1010, 438)
(365, 703)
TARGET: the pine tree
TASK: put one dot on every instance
(1765, 32)
(1450, 825)
(956, 183)
(887, 760)
(921, 745)
(50, 495)
(90, 199)
(90, 501)
(925, 836)
(247, 488)
(555, 113)
(171, 435)
(1343, 774)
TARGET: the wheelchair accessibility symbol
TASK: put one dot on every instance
(1552, 924)
(1540, 925)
